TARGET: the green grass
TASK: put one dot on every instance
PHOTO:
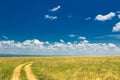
(64, 68)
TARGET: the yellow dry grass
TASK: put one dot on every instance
(65, 68)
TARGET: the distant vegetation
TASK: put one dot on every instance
(64, 68)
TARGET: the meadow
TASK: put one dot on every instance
(63, 67)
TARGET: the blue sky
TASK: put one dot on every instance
(51, 20)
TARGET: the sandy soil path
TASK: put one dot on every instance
(16, 74)
(29, 74)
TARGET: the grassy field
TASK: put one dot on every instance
(64, 68)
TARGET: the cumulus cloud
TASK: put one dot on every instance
(116, 28)
(36, 47)
(105, 17)
(81, 37)
(72, 35)
(55, 8)
(50, 17)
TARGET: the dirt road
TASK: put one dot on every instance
(29, 74)
(16, 74)
(27, 68)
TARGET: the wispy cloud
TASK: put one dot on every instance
(118, 12)
(50, 17)
(81, 37)
(119, 16)
(100, 37)
(55, 8)
(88, 18)
(114, 36)
(69, 16)
(116, 28)
(5, 37)
(101, 17)
(72, 35)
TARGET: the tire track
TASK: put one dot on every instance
(29, 74)
(16, 74)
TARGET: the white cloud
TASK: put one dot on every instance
(62, 41)
(81, 37)
(5, 37)
(116, 28)
(119, 16)
(72, 35)
(55, 8)
(36, 47)
(88, 18)
(50, 17)
(105, 17)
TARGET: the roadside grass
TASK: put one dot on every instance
(77, 68)
(7, 66)
(23, 74)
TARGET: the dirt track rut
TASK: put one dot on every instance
(16, 74)
(27, 68)
(29, 74)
